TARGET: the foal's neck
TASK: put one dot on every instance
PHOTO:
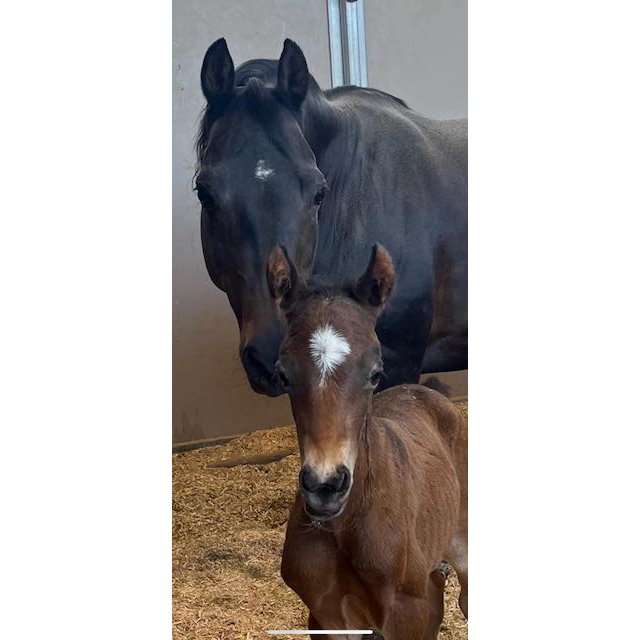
(364, 478)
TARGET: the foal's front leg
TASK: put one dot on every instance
(334, 616)
(314, 624)
(435, 599)
(409, 620)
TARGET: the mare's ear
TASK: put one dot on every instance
(217, 74)
(376, 283)
(293, 74)
(281, 276)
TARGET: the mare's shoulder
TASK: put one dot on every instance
(350, 94)
(380, 111)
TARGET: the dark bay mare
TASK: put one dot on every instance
(326, 174)
(382, 496)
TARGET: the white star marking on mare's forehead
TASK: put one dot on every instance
(262, 171)
(328, 350)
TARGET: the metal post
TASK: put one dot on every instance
(347, 42)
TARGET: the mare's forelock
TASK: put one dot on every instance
(255, 83)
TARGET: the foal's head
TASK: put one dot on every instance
(329, 364)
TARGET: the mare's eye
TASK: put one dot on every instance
(205, 197)
(374, 379)
(319, 197)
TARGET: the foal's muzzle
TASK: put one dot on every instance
(325, 499)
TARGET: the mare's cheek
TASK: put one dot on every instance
(306, 246)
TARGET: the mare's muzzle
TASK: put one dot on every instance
(258, 359)
(325, 498)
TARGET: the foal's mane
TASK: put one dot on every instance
(321, 287)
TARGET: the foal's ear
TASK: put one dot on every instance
(281, 276)
(217, 74)
(376, 283)
(293, 74)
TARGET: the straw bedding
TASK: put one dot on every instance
(230, 508)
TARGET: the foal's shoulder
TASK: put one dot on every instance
(407, 394)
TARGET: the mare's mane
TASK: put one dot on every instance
(255, 82)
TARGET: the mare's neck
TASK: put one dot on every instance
(335, 134)
(325, 122)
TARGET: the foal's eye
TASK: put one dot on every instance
(319, 197)
(374, 379)
(284, 381)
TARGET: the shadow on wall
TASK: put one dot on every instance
(212, 396)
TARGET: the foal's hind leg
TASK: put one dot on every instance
(464, 596)
(459, 560)
(435, 600)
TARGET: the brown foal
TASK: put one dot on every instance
(382, 495)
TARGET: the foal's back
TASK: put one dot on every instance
(433, 434)
(415, 408)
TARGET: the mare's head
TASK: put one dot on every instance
(330, 365)
(259, 186)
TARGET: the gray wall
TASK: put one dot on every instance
(416, 50)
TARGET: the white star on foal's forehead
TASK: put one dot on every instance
(328, 350)
(262, 171)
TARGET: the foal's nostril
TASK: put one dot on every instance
(306, 479)
(344, 478)
(337, 482)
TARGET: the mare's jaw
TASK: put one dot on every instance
(271, 388)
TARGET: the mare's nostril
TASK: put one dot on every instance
(255, 365)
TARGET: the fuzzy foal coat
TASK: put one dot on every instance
(375, 565)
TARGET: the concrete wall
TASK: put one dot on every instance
(210, 393)
(416, 49)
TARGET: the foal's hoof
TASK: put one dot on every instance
(444, 568)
